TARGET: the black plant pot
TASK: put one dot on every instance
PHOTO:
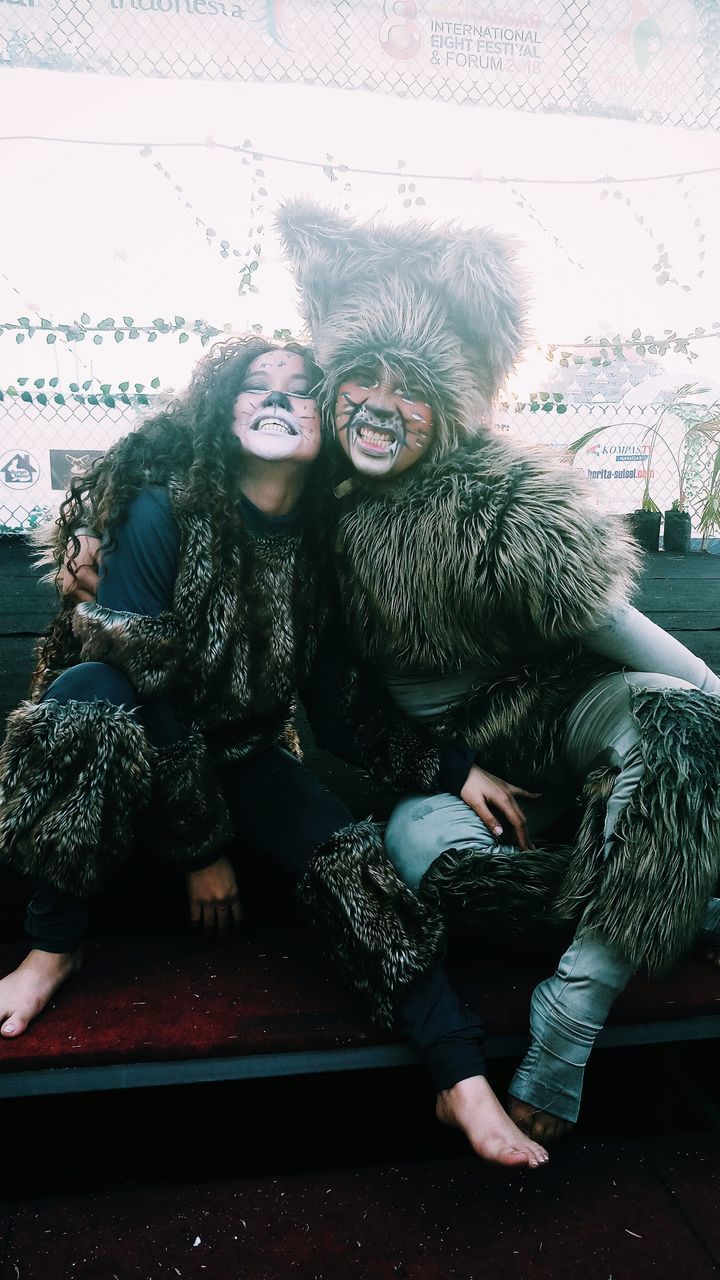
(676, 536)
(645, 529)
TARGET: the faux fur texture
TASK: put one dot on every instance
(445, 304)
(235, 645)
(191, 823)
(522, 567)
(651, 895)
(505, 893)
(72, 778)
(148, 650)
(378, 933)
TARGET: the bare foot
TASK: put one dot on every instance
(26, 991)
(540, 1125)
(472, 1107)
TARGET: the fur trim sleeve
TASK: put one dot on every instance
(555, 556)
(148, 650)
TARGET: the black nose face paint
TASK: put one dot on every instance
(383, 428)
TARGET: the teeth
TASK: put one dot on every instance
(275, 427)
(378, 438)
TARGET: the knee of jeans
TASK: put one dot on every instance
(92, 682)
(406, 844)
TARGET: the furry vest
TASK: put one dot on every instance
(235, 646)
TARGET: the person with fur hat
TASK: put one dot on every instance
(492, 601)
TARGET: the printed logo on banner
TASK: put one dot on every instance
(620, 452)
(649, 57)
(19, 469)
(65, 466)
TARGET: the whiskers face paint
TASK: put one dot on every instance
(382, 424)
(276, 417)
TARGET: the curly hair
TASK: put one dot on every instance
(189, 441)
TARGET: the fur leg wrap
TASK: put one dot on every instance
(586, 862)
(503, 892)
(649, 898)
(191, 824)
(378, 933)
(72, 779)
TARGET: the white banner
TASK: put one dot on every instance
(617, 57)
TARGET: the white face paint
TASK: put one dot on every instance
(275, 416)
(383, 425)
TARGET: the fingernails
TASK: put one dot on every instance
(497, 831)
(8, 1028)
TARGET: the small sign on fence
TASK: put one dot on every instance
(66, 465)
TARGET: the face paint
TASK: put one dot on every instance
(383, 425)
(275, 417)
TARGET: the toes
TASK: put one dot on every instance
(530, 1157)
(516, 1156)
(14, 1026)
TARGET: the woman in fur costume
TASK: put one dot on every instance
(162, 713)
(493, 599)
(169, 700)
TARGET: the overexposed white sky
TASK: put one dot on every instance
(101, 229)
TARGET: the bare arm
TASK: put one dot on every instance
(632, 640)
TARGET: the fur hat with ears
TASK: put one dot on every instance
(443, 305)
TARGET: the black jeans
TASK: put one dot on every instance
(284, 814)
(282, 810)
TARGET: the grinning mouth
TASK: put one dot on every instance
(376, 441)
(276, 422)
(374, 436)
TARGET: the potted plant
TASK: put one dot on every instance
(700, 428)
(645, 523)
(677, 530)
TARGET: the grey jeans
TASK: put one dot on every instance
(600, 731)
(569, 1008)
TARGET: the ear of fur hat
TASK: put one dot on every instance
(444, 304)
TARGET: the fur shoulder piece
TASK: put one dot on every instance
(445, 302)
(553, 554)
(517, 544)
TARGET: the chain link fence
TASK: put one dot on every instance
(627, 451)
(45, 445)
(609, 58)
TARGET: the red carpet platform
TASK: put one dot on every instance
(165, 1010)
